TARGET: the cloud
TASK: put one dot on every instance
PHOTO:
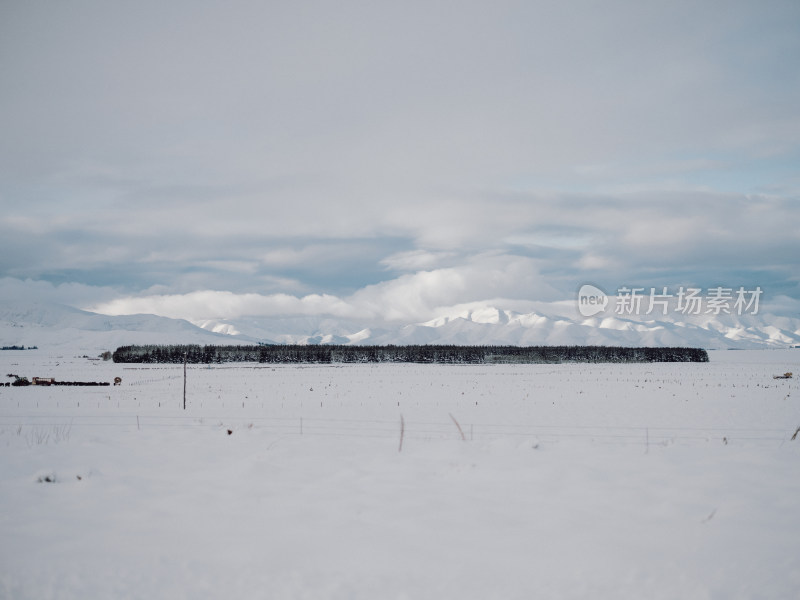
(411, 297)
(211, 304)
(416, 260)
(17, 292)
(417, 296)
(656, 239)
(396, 157)
(409, 97)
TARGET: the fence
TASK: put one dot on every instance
(444, 429)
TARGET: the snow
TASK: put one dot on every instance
(574, 480)
(58, 326)
(553, 323)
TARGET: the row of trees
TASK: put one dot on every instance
(439, 354)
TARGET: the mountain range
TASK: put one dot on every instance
(54, 325)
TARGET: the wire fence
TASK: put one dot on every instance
(485, 404)
(443, 429)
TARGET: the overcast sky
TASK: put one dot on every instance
(315, 157)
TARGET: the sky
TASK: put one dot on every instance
(386, 159)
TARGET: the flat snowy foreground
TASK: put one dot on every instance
(571, 481)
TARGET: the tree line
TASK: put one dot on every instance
(429, 353)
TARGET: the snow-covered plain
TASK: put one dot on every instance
(572, 481)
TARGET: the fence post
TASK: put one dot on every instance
(185, 354)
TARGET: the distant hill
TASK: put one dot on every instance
(557, 324)
(49, 325)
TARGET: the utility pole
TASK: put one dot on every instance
(185, 354)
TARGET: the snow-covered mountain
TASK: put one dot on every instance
(59, 326)
(723, 331)
(556, 325)
(553, 324)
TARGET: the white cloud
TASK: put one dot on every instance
(213, 304)
(419, 296)
(416, 260)
(411, 297)
(591, 261)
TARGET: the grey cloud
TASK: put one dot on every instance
(397, 92)
(318, 147)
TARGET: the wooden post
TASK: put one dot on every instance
(185, 354)
(458, 426)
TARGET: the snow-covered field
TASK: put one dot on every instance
(519, 481)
